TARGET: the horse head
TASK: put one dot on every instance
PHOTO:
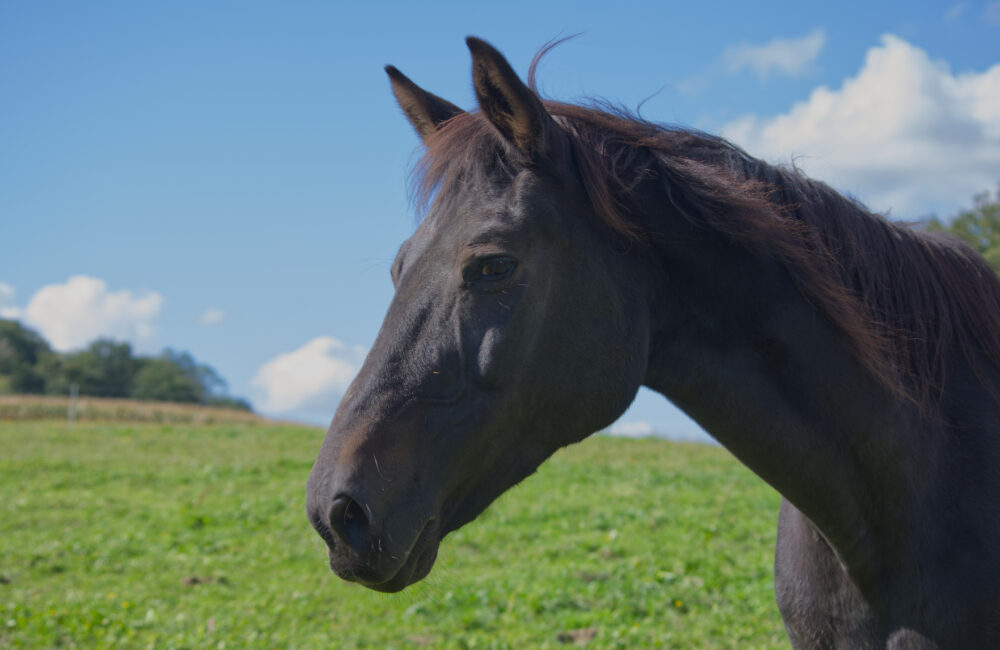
(515, 329)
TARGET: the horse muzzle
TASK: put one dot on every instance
(382, 543)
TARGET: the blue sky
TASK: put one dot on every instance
(230, 178)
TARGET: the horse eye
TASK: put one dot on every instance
(495, 268)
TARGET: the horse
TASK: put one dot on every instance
(569, 254)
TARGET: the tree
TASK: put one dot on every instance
(113, 365)
(205, 376)
(177, 377)
(978, 227)
(164, 380)
(21, 351)
(105, 369)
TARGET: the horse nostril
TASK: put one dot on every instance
(348, 520)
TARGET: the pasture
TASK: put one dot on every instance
(167, 535)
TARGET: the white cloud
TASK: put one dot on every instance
(212, 316)
(904, 134)
(631, 429)
(7, 307)
(73, 314)
(311, 378)
(789, 56)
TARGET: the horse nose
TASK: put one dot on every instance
(350, 522)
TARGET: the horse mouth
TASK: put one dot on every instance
(414, 568)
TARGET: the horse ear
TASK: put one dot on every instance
(425, 110)
(510, 105)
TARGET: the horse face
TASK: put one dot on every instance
(509, 336)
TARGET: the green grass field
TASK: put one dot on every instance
(194, 536)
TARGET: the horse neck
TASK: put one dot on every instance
(773, 382)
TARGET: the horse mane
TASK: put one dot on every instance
(901, 298)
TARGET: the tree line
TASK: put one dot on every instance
(106, 368)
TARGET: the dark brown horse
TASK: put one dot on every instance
(571, 254)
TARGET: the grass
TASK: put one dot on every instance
(193, 536)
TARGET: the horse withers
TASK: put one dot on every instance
(570, 254)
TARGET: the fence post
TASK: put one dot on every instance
(74, 392)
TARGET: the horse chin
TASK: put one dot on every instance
(415, 568)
